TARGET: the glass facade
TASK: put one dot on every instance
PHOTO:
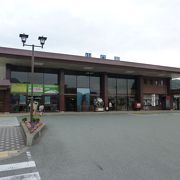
(80, 90)
(95, 85)
(70, 84)
(50, 78)
(19, 77)
(175, 83)
(83, 81)
(45, 90)
(121, 93)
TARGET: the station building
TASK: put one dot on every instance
(71, 83)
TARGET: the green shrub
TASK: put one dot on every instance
(24, 119)
(35, 120)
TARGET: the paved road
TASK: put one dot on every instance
(109, 147)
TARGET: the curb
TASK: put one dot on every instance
(91, 113)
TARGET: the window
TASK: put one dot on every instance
(83, 81)
(70, 84)
(50, 78)
(95, 85)
(111, 85)
(121, 86)
(131, 86)
(151, 82)
(156, 82)
(37, 78)
(19, 77)
(161, 82)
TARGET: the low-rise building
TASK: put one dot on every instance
(64, 82)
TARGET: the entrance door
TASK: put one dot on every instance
(177, 103)
(2, 95)
(83, 99)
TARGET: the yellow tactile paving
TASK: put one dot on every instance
(5, 154)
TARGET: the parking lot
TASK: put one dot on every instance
(104, 146)
(110, 146)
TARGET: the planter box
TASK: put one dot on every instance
(30, 135)
(99, 109)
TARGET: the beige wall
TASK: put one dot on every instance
(2, 71)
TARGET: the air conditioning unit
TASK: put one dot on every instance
(87, 54)
(103, 56)
(117, 58)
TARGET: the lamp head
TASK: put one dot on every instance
(23, 38)
(42, 40)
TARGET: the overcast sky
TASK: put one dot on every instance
(146, 31)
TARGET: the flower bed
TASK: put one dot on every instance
(31, 129)
(32, 125)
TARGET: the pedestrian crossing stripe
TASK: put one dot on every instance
(15, 166)
(28, 176)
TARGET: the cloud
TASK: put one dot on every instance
(136, 30)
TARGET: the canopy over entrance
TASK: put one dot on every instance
(4, 84)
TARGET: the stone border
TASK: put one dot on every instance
(29, 137)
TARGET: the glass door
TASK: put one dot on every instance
(83, 99)
(122, 103)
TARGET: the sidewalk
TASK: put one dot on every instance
(11, 137)
(91, 113)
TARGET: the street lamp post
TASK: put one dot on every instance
(42, 42)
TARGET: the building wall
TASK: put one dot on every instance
(154, 85)
(144, 86)
(159, 88)
(155, 89)
(2, 71)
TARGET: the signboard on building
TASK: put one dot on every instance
(18, 88)
(51, 89)
(37, 89)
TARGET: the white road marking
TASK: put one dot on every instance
(9, 121)
(15, 166)
(28, 153)
(28, 176)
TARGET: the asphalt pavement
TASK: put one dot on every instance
(107, 146)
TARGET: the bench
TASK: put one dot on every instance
(30, 136)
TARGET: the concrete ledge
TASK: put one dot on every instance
(29, 137)
(91, 113)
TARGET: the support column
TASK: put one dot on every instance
(169, 96)
(61, 95)
(139, 90)
(8, 105)
(104, 89)
(7, 100)
(8, 72)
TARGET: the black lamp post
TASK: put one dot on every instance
(42, 42)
